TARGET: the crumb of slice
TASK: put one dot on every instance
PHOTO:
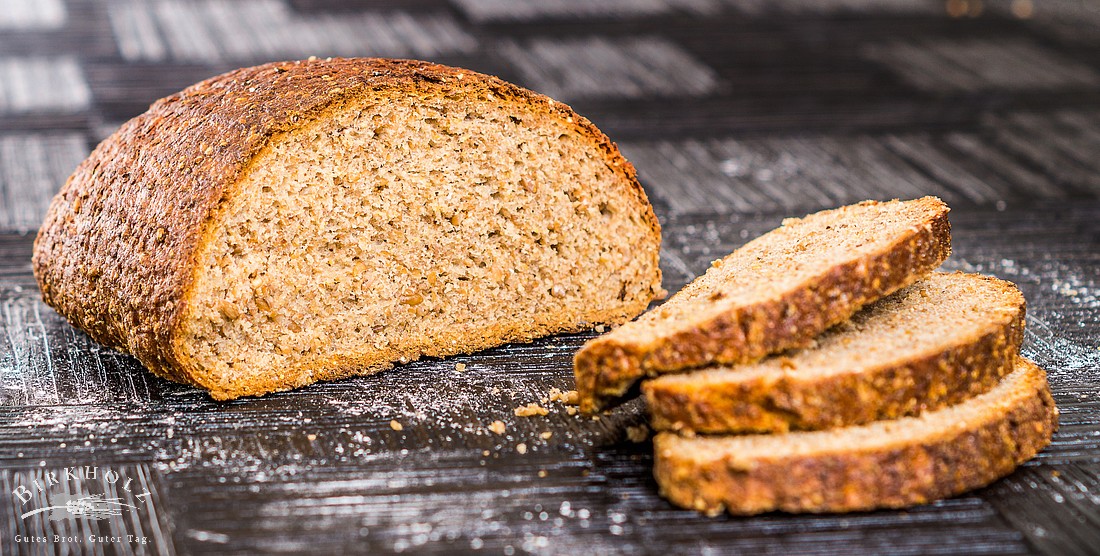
(395, 425)
(497, 427)
(531, 410)
(638, 433)
(521, 448)
(460, 367)
(546, 435)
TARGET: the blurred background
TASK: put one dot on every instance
(737, 113)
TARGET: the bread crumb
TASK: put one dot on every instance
(568, 397)
(638, 433)
(311, 437)
(395, 425)
(600, 328)
(485, 453)
(546, 435)
(497, 427)
(495, 390)
(572, 410)
(460, 367)
(542, 473)
(530, 410)
(521, 448)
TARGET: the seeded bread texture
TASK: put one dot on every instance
(935, 343)
(303, 221)
(886, 464)
(777, 292)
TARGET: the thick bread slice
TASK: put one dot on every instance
(776, 292)
(886, 464)
(942, 340)
(303, 221)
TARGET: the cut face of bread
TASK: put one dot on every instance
(777, 292)
(942, 340)
(398, 227)
(886, 464)
(378, 211)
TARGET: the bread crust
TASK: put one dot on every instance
(117, 253)
(945, 464)
(968, 367)
(607, 368)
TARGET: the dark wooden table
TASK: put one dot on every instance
(736, 113)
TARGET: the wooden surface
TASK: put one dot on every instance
(736, 115)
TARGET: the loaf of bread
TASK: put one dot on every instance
(938, 342)
(886, 464)
(777, 292)
(303, 221)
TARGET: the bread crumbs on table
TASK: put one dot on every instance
(637, 434)
(521, 448)
(568, 397)
(531, 410)
(460, 367)
(497, 427)
(571, 410)
(546, 435)
(395, 425)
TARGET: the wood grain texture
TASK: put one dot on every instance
(795, 88)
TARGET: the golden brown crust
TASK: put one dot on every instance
(968, 367)
(116, 254)
(853, 479)
(606, 369)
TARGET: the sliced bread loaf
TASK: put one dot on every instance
(942, 340)
(886, 464)
(303, 221)
(777, 292)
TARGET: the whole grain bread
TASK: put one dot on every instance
(777, 292)
(303, 221)
(935, 343)
(886, 464)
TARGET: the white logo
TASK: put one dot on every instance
(64, 495)
(92, 506)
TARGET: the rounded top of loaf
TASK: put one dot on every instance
(116, 252)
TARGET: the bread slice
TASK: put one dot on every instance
(303, 221)
(776, 292)
(886, 464)
(938, 342)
